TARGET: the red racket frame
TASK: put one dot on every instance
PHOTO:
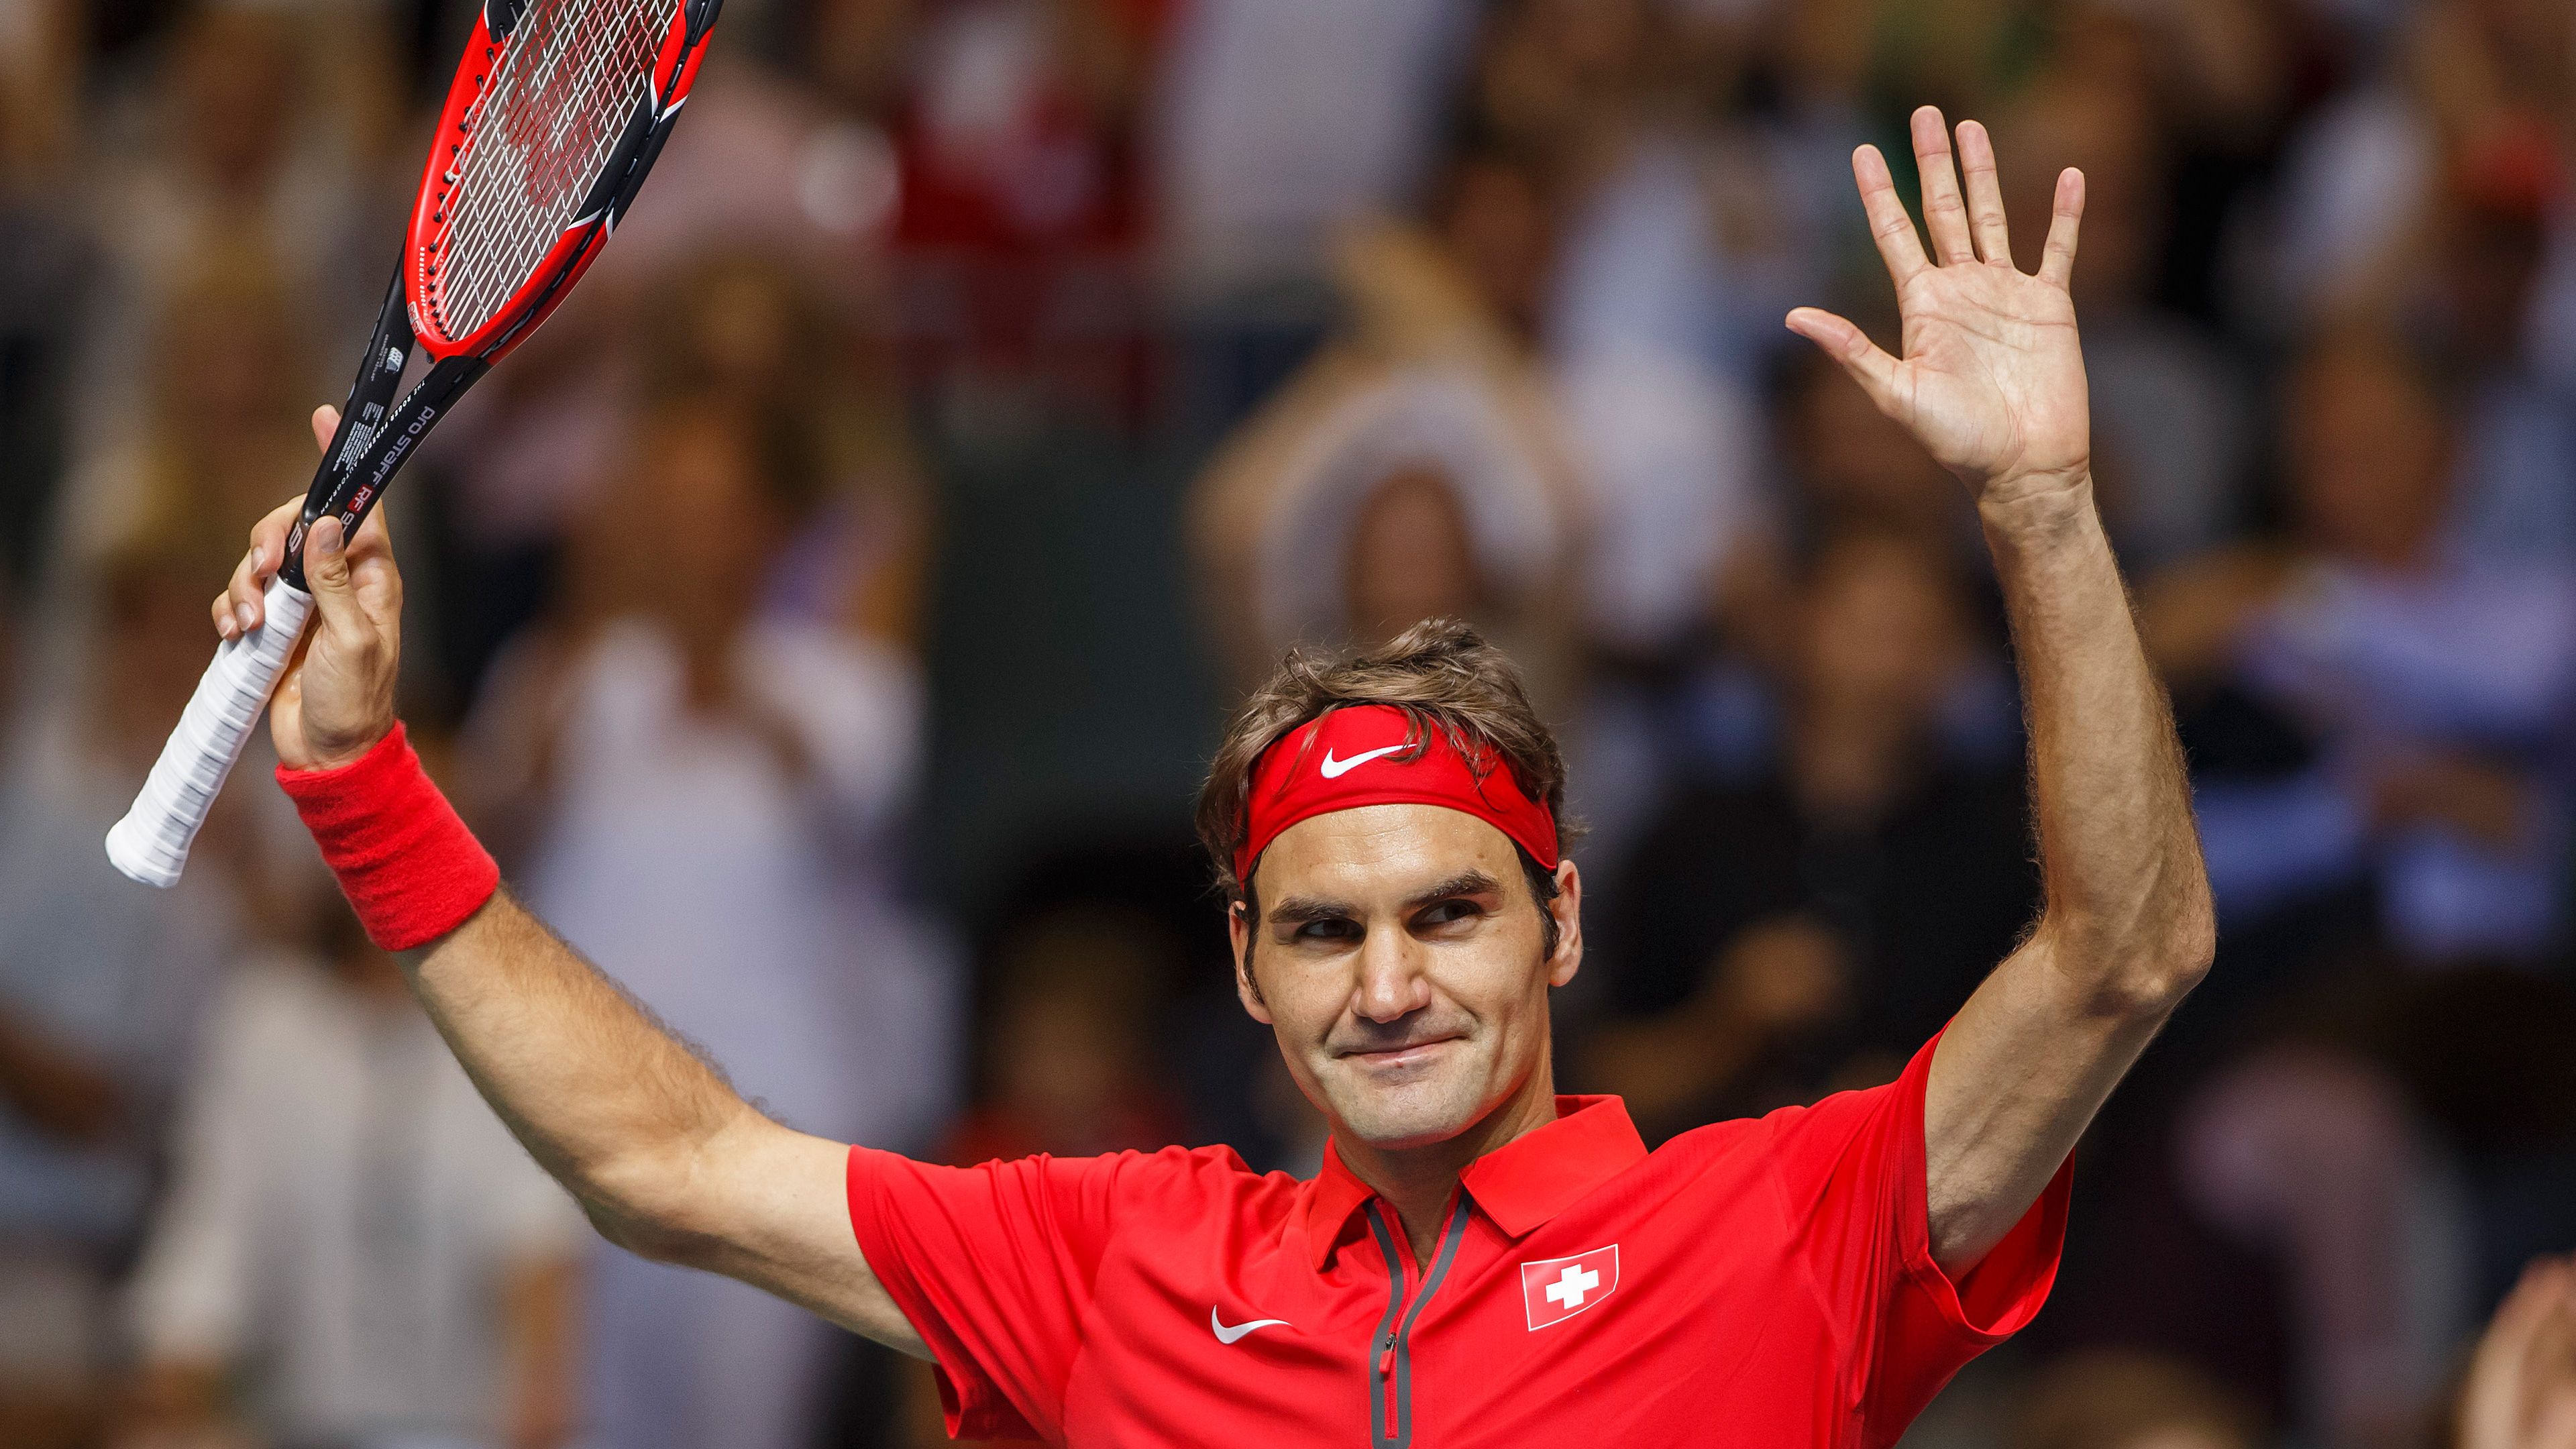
(376, 434)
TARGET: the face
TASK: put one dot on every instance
(1497, 227)
(2368, 456)
(710, 527)
(1399, 958)
(1880, 630)
(1409, 559)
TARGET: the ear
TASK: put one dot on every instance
(1238, 930)
(1567, 908)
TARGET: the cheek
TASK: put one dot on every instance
(1304, 998)
(1496, 979)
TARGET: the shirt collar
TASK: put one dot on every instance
(1520, 1184)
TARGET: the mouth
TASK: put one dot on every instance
(1398, 1058)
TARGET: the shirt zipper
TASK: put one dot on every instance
(1391, 1362)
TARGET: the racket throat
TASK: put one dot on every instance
(357, 489)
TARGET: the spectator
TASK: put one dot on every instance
(100, 987)
(754, 326)
(1834, 907)
(47, 294)
(1065, 1058)
(2316, 1157)
(754, 330)
(1414, 467)
(1274, 128)
(2171, 438)
(723, 845)
(1020, 217)
(2518, 434)
(352, 1237)
(223, 429)
(2419, 695)
(1648, 315)
(239, 154)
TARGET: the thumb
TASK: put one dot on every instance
(326, 573)
(1868, 364)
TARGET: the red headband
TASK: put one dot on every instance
(1363, 755)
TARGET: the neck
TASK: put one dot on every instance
(1418, 1182)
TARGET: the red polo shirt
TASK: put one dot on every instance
(1766, 1281)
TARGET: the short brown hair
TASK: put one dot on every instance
(1440, 672)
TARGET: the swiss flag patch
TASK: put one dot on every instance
(1555, 1289)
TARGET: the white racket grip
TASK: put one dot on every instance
(151, 843)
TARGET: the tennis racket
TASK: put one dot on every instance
(556, 113)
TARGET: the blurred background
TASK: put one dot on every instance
(827, 617)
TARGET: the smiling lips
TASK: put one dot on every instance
(1396, 1056)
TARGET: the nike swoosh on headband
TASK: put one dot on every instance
(1336, 769)
(1229, 1335)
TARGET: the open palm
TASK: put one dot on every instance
(1992, 381)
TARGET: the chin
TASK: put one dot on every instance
(1411, 1114)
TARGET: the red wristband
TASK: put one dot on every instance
(408, 865)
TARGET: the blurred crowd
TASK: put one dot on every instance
(819, 618)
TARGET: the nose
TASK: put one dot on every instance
(1392, 984)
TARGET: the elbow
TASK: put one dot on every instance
(653, 1239)
(644, 1204)
(2143, 968)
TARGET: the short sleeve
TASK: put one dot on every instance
(1851, 1173)
(994, 1266)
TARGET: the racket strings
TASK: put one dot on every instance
(569, 77)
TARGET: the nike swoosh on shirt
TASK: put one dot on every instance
(1335, 769)
(1229, 1335)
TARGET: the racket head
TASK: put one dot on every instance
(557, 108)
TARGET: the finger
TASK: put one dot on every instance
(326, 421)
(1985, 194)
(2066, 215)
(326, 574)
(1866, 361)
(1944, 214)
(244, 596)
(1889, 225)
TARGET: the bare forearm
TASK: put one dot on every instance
(2128, 903)
(666, 1157)
(2127, 929)
(604, 1097)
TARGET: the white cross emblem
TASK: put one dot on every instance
(1555, 1289)
(1570, 1288)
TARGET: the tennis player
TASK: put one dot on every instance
(1480, 1261)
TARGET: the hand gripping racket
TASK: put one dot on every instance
(556, 113)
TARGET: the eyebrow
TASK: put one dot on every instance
(1297, 910)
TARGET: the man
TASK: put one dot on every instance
(1479, 1259)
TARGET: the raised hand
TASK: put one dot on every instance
(1992, 381)
(2520, 1391)
(336, 698)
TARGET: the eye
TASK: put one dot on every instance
(1445, 913)
(1334, 928)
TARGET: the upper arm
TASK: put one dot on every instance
(778, 1218)
(2015, 1080)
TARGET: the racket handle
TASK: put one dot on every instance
(151, 843)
